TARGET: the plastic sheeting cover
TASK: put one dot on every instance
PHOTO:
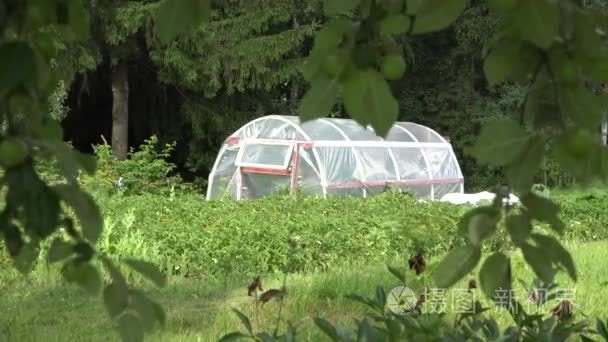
(332, 157)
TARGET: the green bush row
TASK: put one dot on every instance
(146, 170)
(188, 235)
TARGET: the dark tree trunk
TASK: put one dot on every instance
(120, 111)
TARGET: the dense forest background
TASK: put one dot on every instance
(123, 86)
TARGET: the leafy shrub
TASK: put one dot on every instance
(145, 169)
(200, 237)
(187, 234)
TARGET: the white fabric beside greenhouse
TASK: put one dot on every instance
(332, 157)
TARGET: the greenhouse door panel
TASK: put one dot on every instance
(266, 169)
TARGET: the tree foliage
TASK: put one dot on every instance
(246, 45)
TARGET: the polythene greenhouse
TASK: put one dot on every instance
(332, 157)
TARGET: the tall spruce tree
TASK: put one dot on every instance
(244, 63)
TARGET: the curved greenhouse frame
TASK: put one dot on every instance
(332, 157)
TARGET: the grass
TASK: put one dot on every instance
(44, 309)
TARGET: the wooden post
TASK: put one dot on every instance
(295, 162)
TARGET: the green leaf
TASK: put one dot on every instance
(79, 19)
(580, 154)
(115, 273)
(544, 210)
(366, 301)
(51, 131)
(116, 294)
(25, 261)
(89, 279)
(395, 24)
(333, 7)
(499, 143)
(17, 65)
(327, 328)
(146, 309)
(561, 256)
(541, 109)
(319, 99)
(368, 99)
(366, 332)
(457, 264)
(601, 329)
(265, 337)
(521, 172)
(59, 250)
(130, 328)
(586, 35)
(510, 61)
(40, 13)
(12, 236)
(244, 320)
(413, 6)
(501, 6)
(395, 329)
(175, 17)
(537, 259)
(331, 36)
(582, 107)
(481, 224)
(380, 296)
(148, 270)
(82, 274)
(234, 336)
(85, 208)
(397, 273)
(435, 15)
(87, 162)
(519, 228)
(13, 152)
(68, 159)
(42, 211)
(495, 274)
(465, 220)
(326, 59)
(115, 298)
(538, 21)
(159, 313)
(41, 205)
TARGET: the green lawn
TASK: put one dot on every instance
(199, 309)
